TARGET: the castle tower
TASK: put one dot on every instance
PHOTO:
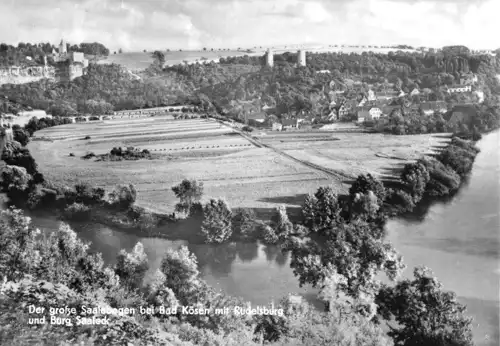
(301, 58)
(62, 47)
(269, 58)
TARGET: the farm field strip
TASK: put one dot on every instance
(225, 161)
(70, 132)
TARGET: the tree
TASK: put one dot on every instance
(355, 250)
(365, 183)
(21, 136)
(131, 267)
(123, 196)
(321, 210)
(415, 176)
(189, 192)
(180, 268)
(216, 226)
(425, 314)
(15, 179)
(159, 58)
(280, 223)
(18, 254)
(244, 223)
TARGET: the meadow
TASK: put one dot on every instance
(229, 165)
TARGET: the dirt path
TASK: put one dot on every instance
(329, 172)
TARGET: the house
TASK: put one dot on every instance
(458, 89)
(414, 92)
(289, 124)
(386, 95)
(401, 93)
(362, 102)
(346, 108)
(463, 114)
(468, 79)
(433, 106)
(369, 113)
(277, 127)
(332, 116)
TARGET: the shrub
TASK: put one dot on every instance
(77, 212)
(442, 179)
(398, 201)
(41, 198)
(247, 128)
(87, 137)
(88, 156)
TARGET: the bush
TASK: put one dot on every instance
(398, 201)
(146, 221)
(41, 198)
(247, 128)
(88, 156)
(77, 212)
(123, 196)
(442, 179)
(460, 160)
(87, 137)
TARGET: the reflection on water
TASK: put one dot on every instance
(459, 240)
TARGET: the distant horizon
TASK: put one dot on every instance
(135, 25)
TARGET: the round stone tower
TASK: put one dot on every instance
(62, 47)
(269, 58)
(301, 58)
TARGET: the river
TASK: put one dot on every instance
(458, 240)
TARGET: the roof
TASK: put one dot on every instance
(433, 105)
(288, 122)
(256, 116)
(466, 108)
(388, 109)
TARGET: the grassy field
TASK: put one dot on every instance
(352, 154)
(136, 61)
(141, 60)
(229, 165)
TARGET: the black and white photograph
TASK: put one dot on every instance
(249, 172)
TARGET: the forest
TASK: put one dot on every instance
(33, 53)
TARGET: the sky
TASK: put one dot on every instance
(134, 25)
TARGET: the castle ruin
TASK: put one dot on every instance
(68, 66)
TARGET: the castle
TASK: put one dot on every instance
(301, 58)
(68, 66)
